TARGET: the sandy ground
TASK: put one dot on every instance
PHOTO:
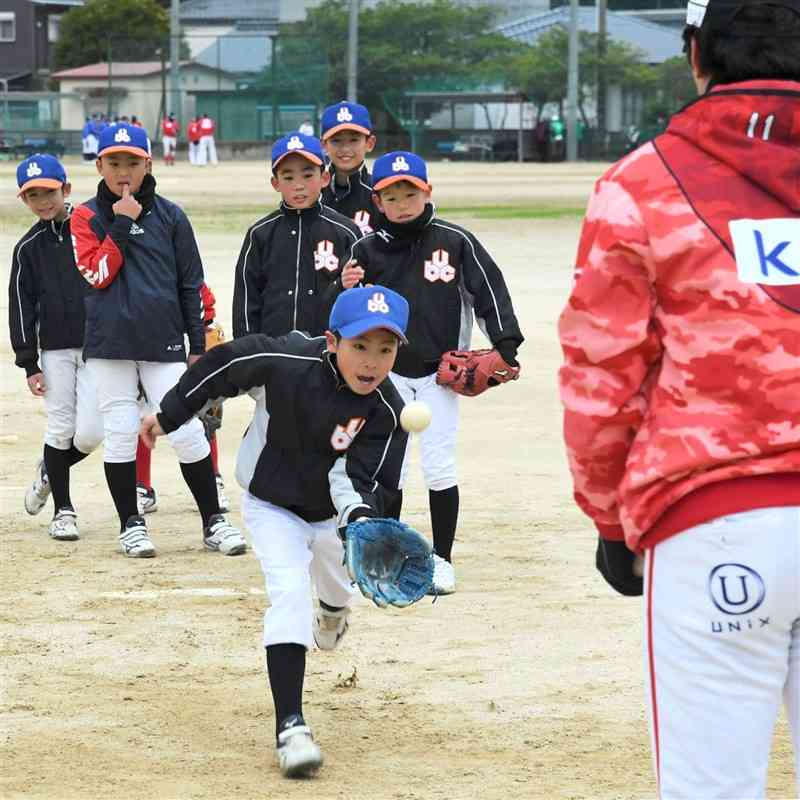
(145, 679)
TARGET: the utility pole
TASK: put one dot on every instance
(174, 58)
(602, 40)
(572, 84)
(352, 53)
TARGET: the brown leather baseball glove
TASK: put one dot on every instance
(214, 335)
(472, 372)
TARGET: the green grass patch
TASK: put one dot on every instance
(512, 212)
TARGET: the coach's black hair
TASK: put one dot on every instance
(760, 41)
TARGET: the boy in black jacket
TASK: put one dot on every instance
(45, 310)
(290, 258)
(348, 139)
(139, 252)
(447, 277)
(323, 441)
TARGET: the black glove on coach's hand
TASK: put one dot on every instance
(615, 563)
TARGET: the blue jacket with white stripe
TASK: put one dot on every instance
(313, 447)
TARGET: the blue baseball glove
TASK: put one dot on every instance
(391, 563)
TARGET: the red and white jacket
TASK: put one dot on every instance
(681, 378)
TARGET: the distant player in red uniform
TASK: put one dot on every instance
(170, 128)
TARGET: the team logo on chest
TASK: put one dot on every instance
(362, 219)
(438, 267)
(325, 258)
(343, 435)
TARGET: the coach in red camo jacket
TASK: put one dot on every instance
(681, 388)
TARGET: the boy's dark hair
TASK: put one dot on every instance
(760, 41)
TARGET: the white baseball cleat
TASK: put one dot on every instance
(220, 535)
(146, 500)
(298, 754)
(444, 577)
(330, 627)
(38, 492)
(222, 498)
(64, 526)
(134, 540)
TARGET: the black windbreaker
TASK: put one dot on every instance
(45, 295)
(288, 261)
(446, 275)
(354, 200)
(313, 447)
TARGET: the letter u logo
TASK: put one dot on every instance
(736, 589)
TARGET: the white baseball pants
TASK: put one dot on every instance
(117, 394)
(170, 144)
(193, 152)
(70, 398)
(438, 440)
(293, 554)
(722, 647)
(206, 151)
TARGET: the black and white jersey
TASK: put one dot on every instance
(288, 261)
(449, 279)
(45, 294)
(353, 200)
(313, 447)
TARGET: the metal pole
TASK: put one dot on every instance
(520, 142)
(352, 53)
(174, 58)
(110, 85)
(572, 84)
(274, 134)
(602, 31)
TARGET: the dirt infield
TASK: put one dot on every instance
(145, 679)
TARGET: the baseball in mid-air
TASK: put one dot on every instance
(415, 417)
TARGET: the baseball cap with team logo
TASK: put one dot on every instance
(40, 169)
(307, 146)
(124, 138)
(399, 166)
(366, 308)
(345, 116)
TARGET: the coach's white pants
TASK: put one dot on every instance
(438, 440)
(117, 394)
(293, 553)
(70, 399)
(206, 151)
(722, 646)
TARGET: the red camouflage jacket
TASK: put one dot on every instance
(681, 340)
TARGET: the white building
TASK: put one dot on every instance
(136, 89)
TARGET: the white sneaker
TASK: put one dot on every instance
(444, 577)
(146, 500)
(222, 536)
(298, 754)
(330, 627)
(222, 498)
(39, 491)
(64, 526)
(135, 540)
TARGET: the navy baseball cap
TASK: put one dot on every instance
(399, 166)
(345, 116)
(307, 146)
(40, 169)
(124, 138)
(357, 311)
